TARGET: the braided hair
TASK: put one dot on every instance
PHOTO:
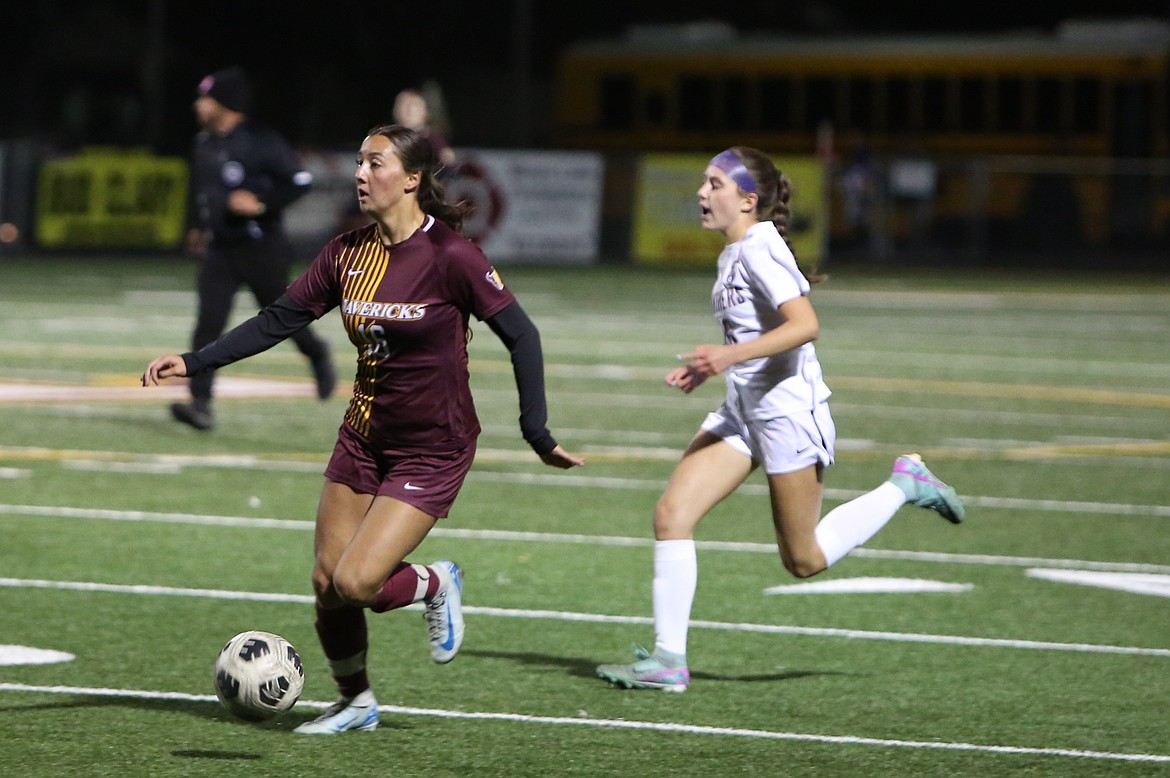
(774, 189)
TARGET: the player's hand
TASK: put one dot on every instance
(558, 457)
(241, 202)
(196, 243)
(684, 379)
(708, 360)
(170, 366)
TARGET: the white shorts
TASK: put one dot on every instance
(782, 445)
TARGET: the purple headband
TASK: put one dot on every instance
(733, 166)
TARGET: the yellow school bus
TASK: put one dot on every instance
(1090, 90)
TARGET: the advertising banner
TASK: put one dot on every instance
(666, 210)
(532, 206)
(112, 198)
(528, 206)
(330, 206)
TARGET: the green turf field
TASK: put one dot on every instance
(140, 546)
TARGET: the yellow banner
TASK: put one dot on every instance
(109, 198)
(666, 210)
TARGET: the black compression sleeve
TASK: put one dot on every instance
(522, 339)
(263, 331)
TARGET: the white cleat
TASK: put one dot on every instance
(357, 713)
(444, 612)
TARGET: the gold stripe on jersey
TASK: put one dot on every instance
(361, 269)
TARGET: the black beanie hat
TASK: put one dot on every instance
(228, 87)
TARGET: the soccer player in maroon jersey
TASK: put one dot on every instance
(406, 285)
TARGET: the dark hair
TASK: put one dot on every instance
(417, 156)
(773, 189)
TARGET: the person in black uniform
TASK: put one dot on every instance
(243, 176)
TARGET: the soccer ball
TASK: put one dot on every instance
(258, 675)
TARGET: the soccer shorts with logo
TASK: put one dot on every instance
(429, 482)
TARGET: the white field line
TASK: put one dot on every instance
(105, 388)
(511, 536)
(233, 386)
(1012, 503)
(315, 464)
(652, 726)
(601, 618)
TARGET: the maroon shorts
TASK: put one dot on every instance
(429, 482)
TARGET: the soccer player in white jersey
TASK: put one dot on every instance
(775, 415)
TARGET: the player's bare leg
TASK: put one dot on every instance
(708, 472)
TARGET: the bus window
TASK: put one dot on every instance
(972, 104)
(1132, 104)
(1049, 105)
(1087, 101)
(776, 103)
(820, 100)
(654, 108)
(1009, 103)
(617, 102)
(735, 105)
(696, 103)
(935, 113)
(861, 104)
(899, 110)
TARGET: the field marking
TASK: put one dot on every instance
(869, 585)
(849, 449)
(316, 462)
(101, 514)
(1137, 583)
(601, 618)
(978, 501)
(107, 387)
(13, 655)
(653, 726)
(1005, 391)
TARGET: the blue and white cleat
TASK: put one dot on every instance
(357, 713)
(444, 612)
(924, 490)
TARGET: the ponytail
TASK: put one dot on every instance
(417, 156)
(773, 190)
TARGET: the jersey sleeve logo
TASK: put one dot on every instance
(494, 279)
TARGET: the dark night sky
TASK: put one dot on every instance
(326, 71)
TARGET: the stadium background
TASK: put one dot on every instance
(120, 75)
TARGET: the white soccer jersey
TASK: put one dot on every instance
(757, 274)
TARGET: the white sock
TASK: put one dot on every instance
(853, 523)
(364, 698)
(676, 574)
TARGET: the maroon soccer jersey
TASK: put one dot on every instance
(406, 309)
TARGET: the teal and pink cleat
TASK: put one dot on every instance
(649, 672)
(924, 490)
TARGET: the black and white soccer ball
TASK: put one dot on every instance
(258, 675)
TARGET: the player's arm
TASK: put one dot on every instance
(290, 180)
(799, 325)
(270, 326)
(520, 336)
